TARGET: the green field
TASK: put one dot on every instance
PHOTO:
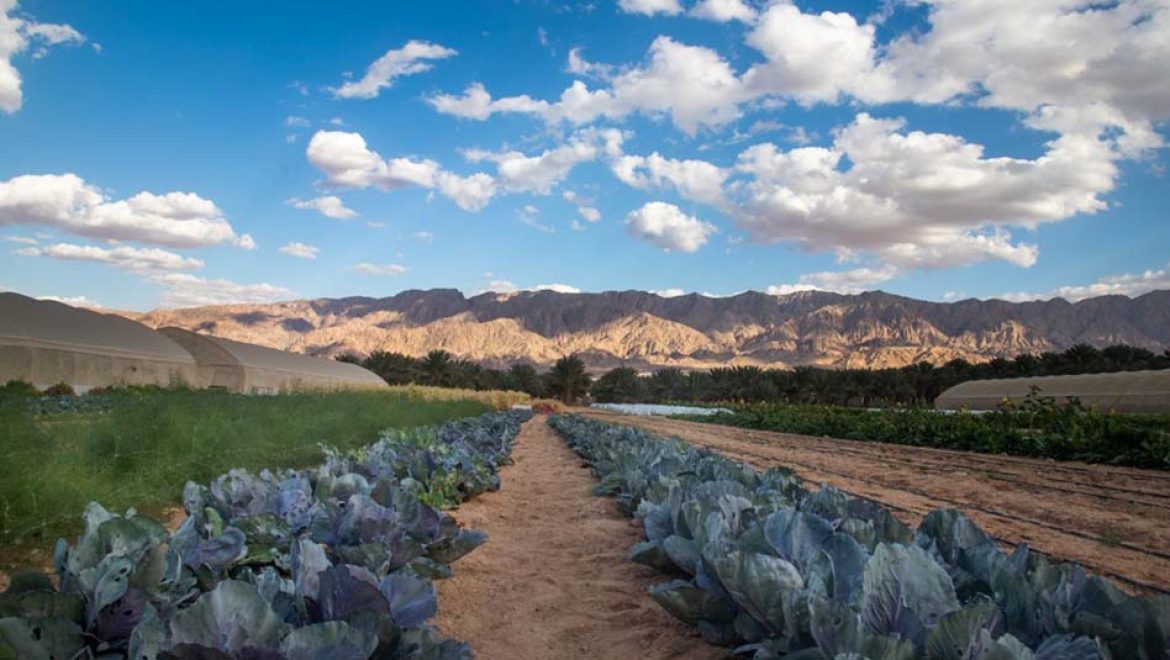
(137, 449)
(1037, 427)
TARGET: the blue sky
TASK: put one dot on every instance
(170, 154)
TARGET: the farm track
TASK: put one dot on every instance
(554, 579)
(1072, 511)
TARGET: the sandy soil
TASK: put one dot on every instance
(553, 580)
(1115, 521)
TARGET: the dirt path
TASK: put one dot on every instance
(1115, 521)
(553, 580)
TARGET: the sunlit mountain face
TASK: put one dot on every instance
(648, 331)
(161, 155)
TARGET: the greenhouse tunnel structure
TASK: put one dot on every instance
(44, 343)
(1127, 391)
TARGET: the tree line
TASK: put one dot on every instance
(916, 384)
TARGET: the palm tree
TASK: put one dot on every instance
(523, 378)
(436, 368)
(568, 380)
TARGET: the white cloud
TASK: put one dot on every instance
(423, 236)
(694, 85)
(329, 206)
(666, 226)
(1126, 284)
(477, 103)
(559, 288)
(651, 7)
(22, 240)
(722, 11)
(186, 290)
(470, 193)
(347, 162)
(389, 270)
(412, 58)
(140, 260)
(72, 301)
(589, 213)
(917, 199)
(66, 202)
(579, 66)
(16, 34)
(539, 174)
(529, 215)
(695, 180)
(300, 250)
(296, 122)
(669, 293)
(811, 57)
(846, 281)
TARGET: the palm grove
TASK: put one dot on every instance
(916, 384)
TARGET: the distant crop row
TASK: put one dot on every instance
(759, 563)
(331, 562)
(1036, 427)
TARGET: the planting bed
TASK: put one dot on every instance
(1114, 521)
(761, 564)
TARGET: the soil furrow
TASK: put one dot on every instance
(554, 580)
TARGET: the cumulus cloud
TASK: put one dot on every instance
(329, 206)
(723, 11)
(666, 226)
(845, 281)
(590, 213)
(67, 202)
(651, 7)
(414, 57)
(695, 180)
(139, 260)
(694, 85)
(1125, 284)
(16, 35)
(1099, 71)
(559, 288)
(387, 270)
(539, 174)
(73, 301)
(348, 162)
(300, 250)
(917, 199)
(186, 290)
(477, 103)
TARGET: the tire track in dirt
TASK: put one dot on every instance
(554, 580)
(1123, 540)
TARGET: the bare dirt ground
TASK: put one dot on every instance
(553, 580)
(1114, 521)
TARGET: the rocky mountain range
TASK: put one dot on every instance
(645, 330)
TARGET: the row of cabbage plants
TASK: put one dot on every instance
(333, 562)
(762, 564)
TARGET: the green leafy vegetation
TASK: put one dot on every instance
(331, 562)
(132, 447)
(759, 563)
(567, 380)
(1036, 427)
(913, 385)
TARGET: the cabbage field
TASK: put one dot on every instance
(335, 561)
(764, 566)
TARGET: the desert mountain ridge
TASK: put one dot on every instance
(647, 331)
